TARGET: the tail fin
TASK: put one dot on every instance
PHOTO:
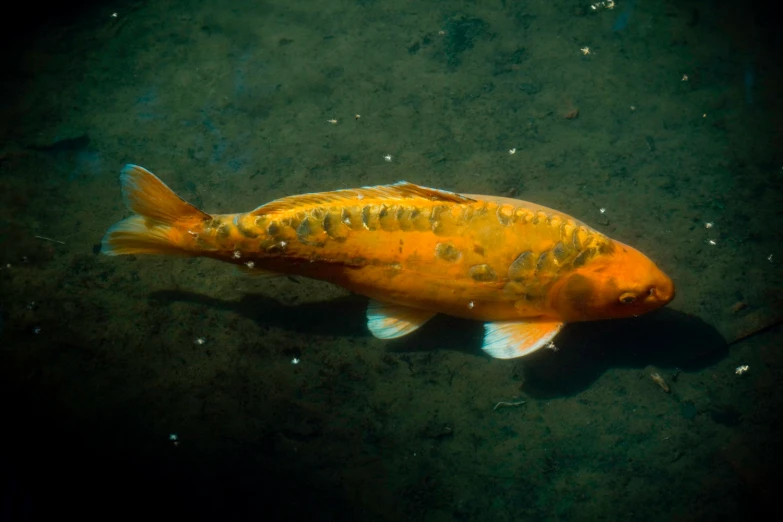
(156, 209)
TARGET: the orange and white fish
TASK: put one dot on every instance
(524, 269)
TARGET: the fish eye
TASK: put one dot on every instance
(627, 298)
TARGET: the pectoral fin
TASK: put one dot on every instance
(389, 321)
(509, 339)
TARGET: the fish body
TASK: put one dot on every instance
(522, 268)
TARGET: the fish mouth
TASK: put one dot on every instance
(662, 293)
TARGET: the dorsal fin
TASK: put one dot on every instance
(397, 191)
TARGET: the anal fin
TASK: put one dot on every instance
(509, 339)
(389, 321)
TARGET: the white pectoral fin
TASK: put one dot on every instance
(389, 321)
(509, 339)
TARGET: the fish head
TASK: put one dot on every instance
(621, 283)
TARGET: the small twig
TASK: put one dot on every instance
(502, 404)
(660, 382)
(49, 239)
(762, 327)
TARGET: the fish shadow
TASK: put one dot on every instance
(340, 317)
(666, 338)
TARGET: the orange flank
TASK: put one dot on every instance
(523, 269)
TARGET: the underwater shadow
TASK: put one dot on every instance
(343, 316)
(340, 317)
(667, 339)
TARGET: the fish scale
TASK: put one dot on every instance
(555, 241)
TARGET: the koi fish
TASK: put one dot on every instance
(523, 269)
